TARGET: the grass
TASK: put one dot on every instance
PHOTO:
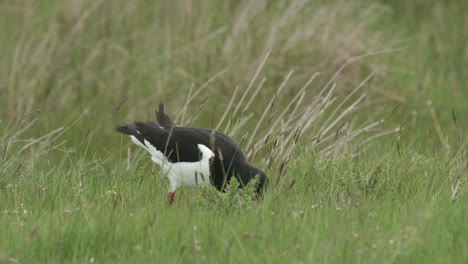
(390, 210)
(356, 111)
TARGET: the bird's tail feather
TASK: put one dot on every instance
(163, 119)
(127, 129)
(131, 130)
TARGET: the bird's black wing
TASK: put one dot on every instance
(228, 156)
(224, 144)
(176, 146)
(181, 144)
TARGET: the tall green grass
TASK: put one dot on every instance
(387, 209)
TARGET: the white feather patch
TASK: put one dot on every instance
(136, 141)
(181, 174)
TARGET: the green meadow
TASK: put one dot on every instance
(356, 110)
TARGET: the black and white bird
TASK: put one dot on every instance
(192, 157)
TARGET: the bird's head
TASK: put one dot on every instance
(262, 183)
(247, 173)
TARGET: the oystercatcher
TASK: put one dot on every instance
(192, 157)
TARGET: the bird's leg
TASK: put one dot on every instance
(172, 190)
(203, 197)
(170, 197)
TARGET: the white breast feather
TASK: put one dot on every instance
(181, 174)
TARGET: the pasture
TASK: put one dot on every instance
(356, 110)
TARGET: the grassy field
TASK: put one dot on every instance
(355, 109)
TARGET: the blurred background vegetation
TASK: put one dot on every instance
(60, 58)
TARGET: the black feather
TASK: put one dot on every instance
(131, 130)
(163, 119)
(180, 144)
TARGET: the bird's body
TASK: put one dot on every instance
(192, 157)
